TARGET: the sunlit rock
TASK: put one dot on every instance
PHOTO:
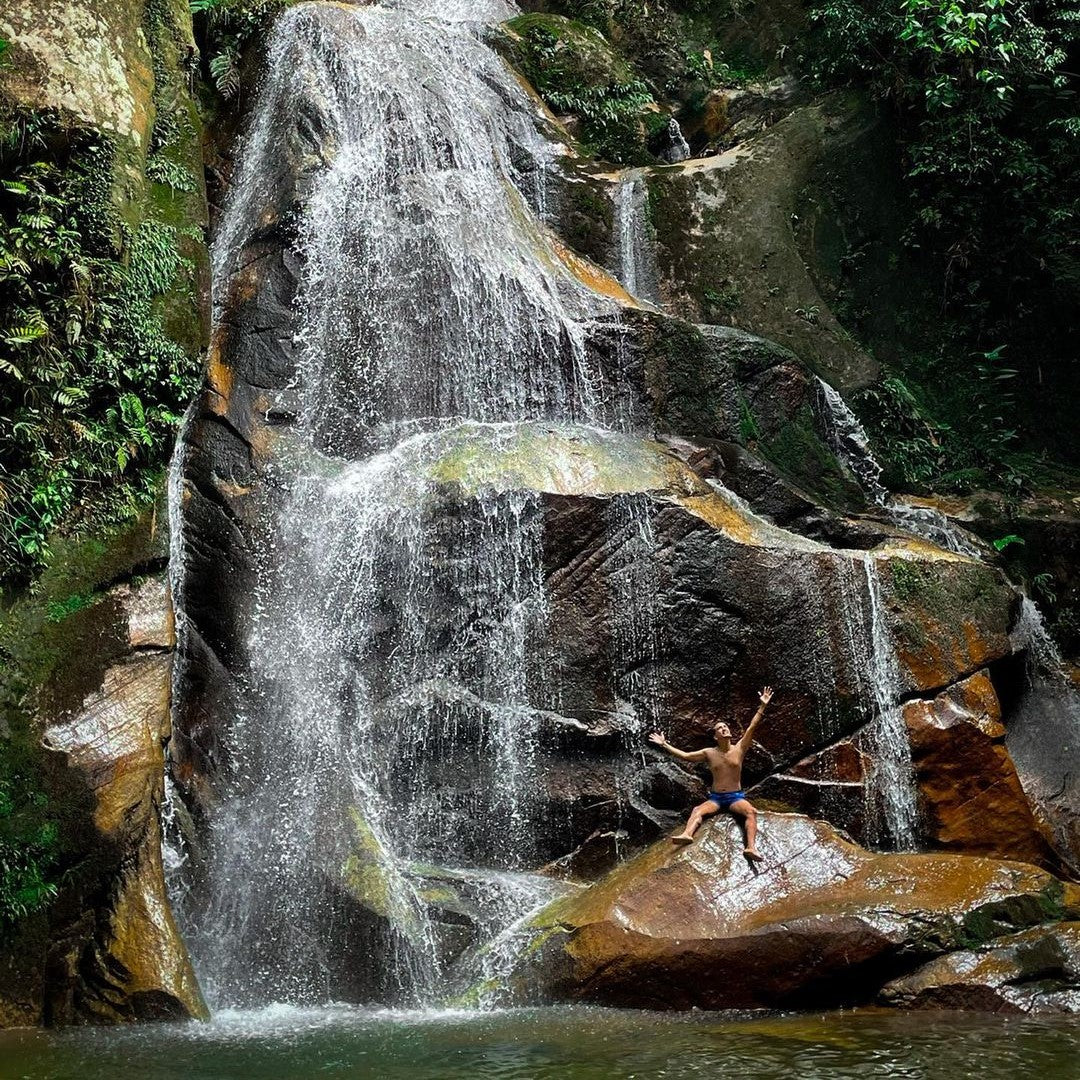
(820, 922)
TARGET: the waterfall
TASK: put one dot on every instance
(386, 733)
(850, 443)
(635, 261)
(891, 810)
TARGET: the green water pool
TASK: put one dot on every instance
(287, 1043)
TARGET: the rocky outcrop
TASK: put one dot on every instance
(1036, 971)
(820, 922)
(972, 800)
(726, 247)
(107, 948)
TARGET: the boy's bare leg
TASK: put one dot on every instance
(746, 811)
(697, 816)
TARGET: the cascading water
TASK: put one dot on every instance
(1043, 736)
(850, 443)
(635, 248)
(891, 810)
(386, 722)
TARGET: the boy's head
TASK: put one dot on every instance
(721, 733)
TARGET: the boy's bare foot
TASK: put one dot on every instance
(682, 839)
(751, 855)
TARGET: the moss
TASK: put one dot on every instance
(948, 594)
(56, 641)
(587, 219)
(576, 71)
(799, 452)
(126, 263)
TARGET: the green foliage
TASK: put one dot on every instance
(1002, 542)
(225, 28)
(574, 69)
(28, 837)
(986, 97)
(91, 385)
(947, 423)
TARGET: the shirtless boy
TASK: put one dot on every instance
(725, 762)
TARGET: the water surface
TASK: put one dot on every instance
(286, 1043)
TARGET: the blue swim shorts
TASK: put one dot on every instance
(724, 799)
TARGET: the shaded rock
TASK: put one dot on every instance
(821, 922)
(123, 959)
(970, 797)
(1036, 971)
(829, 785)
(730, 115)
(726, 249)
(88, 657)
(1043, 737)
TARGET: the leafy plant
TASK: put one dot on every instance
(28, 842)
(574, 69)
(985, 96)
(225, 28)
(1002, 542)
(91, 385)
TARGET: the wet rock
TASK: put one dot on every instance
(950, 617)
(1036, 971)
(820, 922)
(670, 146)
(971, 799)
(114, 951)
(829, 785)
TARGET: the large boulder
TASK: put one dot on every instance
(820, 922)
(726, 247)
(972, 800)
(86, 701)
(1035, 971)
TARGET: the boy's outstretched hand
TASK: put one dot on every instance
(657, 738)
(766, 695)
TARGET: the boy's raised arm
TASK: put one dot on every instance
(682, 755)
(765, 696)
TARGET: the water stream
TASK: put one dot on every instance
(379, 796)
(892, 819)
(635, 246)
(851, 444)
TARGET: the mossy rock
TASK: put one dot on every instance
(576, 71)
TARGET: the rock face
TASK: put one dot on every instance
(107, 948)
(726, 249)
(972, 798)
(1036, 971)
(667, 599)
(821, 922)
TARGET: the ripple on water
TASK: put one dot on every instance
(286, 1042)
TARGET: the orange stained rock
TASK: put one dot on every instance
(116, 740)
(145, 949)
(722, 515)
(219, 376)
(590, 274)
(707, 891)
(971, 797)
